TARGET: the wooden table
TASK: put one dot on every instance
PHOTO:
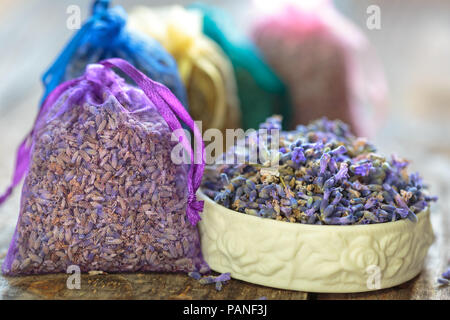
(416, 128)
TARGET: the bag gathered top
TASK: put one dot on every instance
(101, 190)
(106, 35)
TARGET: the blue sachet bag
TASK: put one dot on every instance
(105, 35)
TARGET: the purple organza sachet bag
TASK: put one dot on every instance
(101, 191)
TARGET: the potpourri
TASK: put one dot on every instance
(326, 176)
(218, 281)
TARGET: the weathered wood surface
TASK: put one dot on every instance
(416, 128)
(134, 286)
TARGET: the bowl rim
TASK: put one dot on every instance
(306, 226)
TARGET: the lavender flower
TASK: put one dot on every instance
(324, 162)
(399, 163)
(298, 156)
(332, 166)
(217, 280)
(446, 274)
(444, 279)
(370, 203)
(339, 150)
(343, 172)
(219, 285)
(195, 275)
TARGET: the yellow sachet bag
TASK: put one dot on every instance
(205, 70)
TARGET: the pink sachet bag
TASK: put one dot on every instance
(101, 191)
(326, 62)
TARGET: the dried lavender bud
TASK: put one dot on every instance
(326, 176)
(219, 286)
(298, 155)
(362, 170)
(446, 274)
(343, 172)
(217, 280)
(195, 275)
(223, 277)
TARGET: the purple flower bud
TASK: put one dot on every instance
(363, 169)
(402, 212)
(370, 203)
(298, 156)
(252, 195)
(324, 162)
(337, 198)
(314, 208)
(339, 150)
(419, 206)
(323, 205)
(400, 201)
(343, 172)
(399, 163)
(357, 207)
(280, 191)
(223, 277)
(195, 275)
(433, 198)
(250, 184)
(332, 165)
(388, 208)
(287, 211)
(329, 183)
(340, 220)
(446, 274)
(328, 211)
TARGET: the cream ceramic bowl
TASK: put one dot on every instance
(313, 258)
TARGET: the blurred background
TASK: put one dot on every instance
(412, 44)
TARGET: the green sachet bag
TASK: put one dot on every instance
(261, 92)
